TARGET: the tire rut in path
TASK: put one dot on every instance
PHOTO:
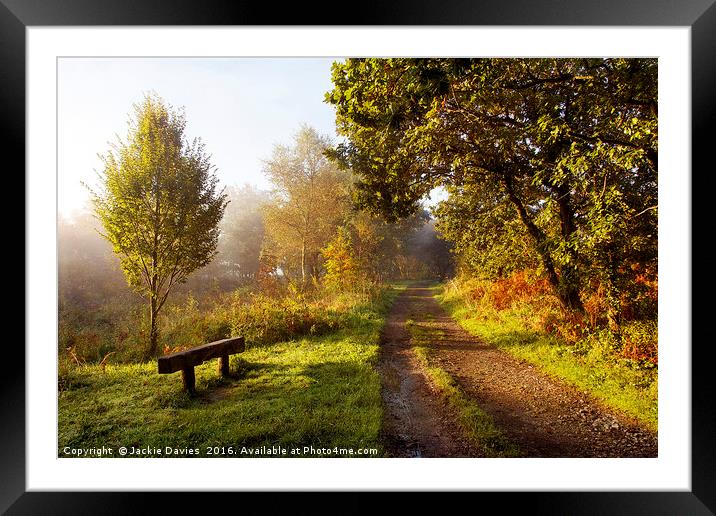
(542, 415)
(417, 421)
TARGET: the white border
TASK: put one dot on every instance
(671, 471)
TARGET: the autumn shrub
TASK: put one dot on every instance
(502, 293)
(569, 326)
(518, 286)
(475, 294)
(342, 267)
(618, 366)
(639, 342)
(529, 297)
(265, 320)
(524, 292)
(640, 301)
(596, 306)
(634, 346)
(121, 328)
(637, 300)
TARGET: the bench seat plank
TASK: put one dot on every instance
(191, 357)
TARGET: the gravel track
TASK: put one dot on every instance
(544, 416)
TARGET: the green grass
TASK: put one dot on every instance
(628, 389)
(477, 424)
(320, 391)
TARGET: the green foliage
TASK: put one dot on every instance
(159, 205)
(487, 238)
(342, 268)
(313, 233)
(635, 346)
(548, 161)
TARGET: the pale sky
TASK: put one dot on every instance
(239, 107)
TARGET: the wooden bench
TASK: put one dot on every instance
(185, 361)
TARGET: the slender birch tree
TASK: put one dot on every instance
(159, 205)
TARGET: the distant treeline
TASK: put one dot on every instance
(306, 231)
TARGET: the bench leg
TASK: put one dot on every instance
(224, 364)
(187, 376)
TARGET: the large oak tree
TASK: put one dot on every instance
(565, 148)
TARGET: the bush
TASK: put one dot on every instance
(186, 326)
(503, 293)
(519, 286)
(639, 342)
(635, 344)
(265, 320)
(569, 326)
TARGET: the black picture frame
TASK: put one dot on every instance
(699, 15)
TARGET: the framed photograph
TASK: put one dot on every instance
(346, 334)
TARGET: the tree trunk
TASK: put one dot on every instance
(613, 301)
(303, 262)
(570, 274)
(154, 282)
(568, 297)
(569, 291)
(613, 312)
(535, 233)
(153, 331)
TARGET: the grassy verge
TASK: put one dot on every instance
(317, 391)
(620, 385)
(476, 423)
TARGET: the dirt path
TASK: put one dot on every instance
(417, 422)
(543, 416)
